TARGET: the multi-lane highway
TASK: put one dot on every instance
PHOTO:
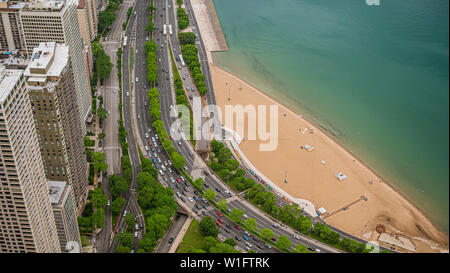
(194, 164)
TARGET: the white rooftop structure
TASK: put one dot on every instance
(56, 190)
(8, 80)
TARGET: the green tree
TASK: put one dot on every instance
(210, 194)
(117, 205)
(101, 135)
(222, 204)
(236, 215)
(98, 199)
(125, 239)
(99, 162)
(300, 249)
(186, 38)
(123, 249)
(284, 242)
(222, 248)
(209, 242)
(178, 160)
(118, 185)
(230, 241)
(250, 223)
(208, 227)
(266, 233)
(198, 184)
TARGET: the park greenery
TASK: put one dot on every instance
(227, 168)
(186, 38)
(102, 62)
(190, 56)
(106, 18)
(183, 18)
(202, 238)
(93, 215)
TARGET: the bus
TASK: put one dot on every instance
(165, 29)
(170, 29)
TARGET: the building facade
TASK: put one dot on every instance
(27, 223)
(11, 36)
(83, 22)
(64, 211)
(57, 21)
(52, 92)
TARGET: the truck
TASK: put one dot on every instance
(170, 30)
(165, 29)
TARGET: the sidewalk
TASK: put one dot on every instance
(180, 235)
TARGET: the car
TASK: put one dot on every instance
(217, 190)
(179, 143)
(267, 245)
(317, 250)
(190, 97)
(228, 193)
(206, 185)
(219, 213)
(170, 163)
(184, 77)
(136, 226)
(178, 180)
(124, 213)
(159, 160)
(195, 198)
(205, 172)
(137, 79)
(182, 199)
(163, 167)
(248, 244)
(154, 160)
(178, 194)
(182, 179)
(156, 136)
(274, 239)
(229, 210)
(156, 155)
(190, 154)
(136, 234)
(245, 216)
(109, 203)
(198, 207)
(172, 180)
(258, 246)
(204, 213)
(132, 251)
(183, 193)
(114, 91)
(171, 240)
(161, 172)
(204, 200)
(228, 226)
(310, 248)
(146, 148)
(190, 199)
(237, 238)
(186, 183)
(255, 238)
(220, 220)
(296, 236)
(153, 139)
(218, 224)
(237, 227)
(170, 186)
(165, 179)
(184, 167)
(227, 231)
(139, 116)
(275, 225)
(128, 94)
(178, 186)
(165, 163)
(185, 189)
(141, 225)
(109, 112)
(146, 135)
(152, 149)
(192, 89)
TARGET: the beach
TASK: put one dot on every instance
(369, 201)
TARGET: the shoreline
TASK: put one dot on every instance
(424, 225)
(334, 140)
(390, 187)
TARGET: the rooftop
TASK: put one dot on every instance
(48, 60)
(45, 5)
(56, 190)
(8, 80)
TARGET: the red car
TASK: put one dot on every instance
(220, 220)
(237, 227)
(171, 137)
(218, 224)
(220, 213)
(274, 239)
(150, 142)
(178, 180)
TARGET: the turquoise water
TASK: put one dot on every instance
(376, 78)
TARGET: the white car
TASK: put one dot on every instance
(156, 136)
(146, 148)
(146, 135)
(245, 216)
(115, 91)
(135, 234)
(190, 199)
(128, 94)
(153, 139)
(139, 116)
(161, 172)
(137, 79)
(172, 180)
(296, 236)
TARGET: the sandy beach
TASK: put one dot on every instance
(311, 175)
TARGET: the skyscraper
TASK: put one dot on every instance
(57, 21)
(11, 36)
(64, 211)
(52, 92)
(27, 223)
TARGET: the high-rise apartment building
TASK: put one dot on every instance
(57, 21)
(64, 211)
(83, 22)
(52, 92)
(27, 223)
(11, 36)
(92, 17)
